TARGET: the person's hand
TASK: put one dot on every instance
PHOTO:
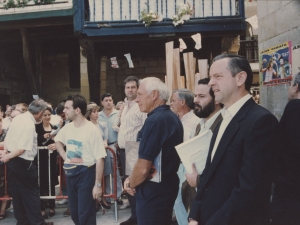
(193, 222)
(97, 192)
(52, 147)
(46, 136)
(127, 187)
(4, 157)
(191, 178)
(61, 123)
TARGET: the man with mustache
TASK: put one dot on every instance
(209, 111)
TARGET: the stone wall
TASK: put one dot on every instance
(278, 22)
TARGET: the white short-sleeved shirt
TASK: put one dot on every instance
(22, 136)
(84, 144)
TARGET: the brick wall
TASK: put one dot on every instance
(56, 85)
(143, 67)
(13, 78)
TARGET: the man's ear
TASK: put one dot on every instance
(241, 78)
(296, 88)
(155, 94)
(77, 110)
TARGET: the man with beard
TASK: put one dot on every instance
(182, 103)
(210, 113)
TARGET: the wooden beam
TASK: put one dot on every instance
(176, 65)
(169, 65)
(93, 68)
(202, 64)
(189, 66)
(28, 62)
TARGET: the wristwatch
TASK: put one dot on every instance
(98, 184)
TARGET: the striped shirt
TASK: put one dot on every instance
(132, 120)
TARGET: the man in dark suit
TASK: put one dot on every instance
(286, 197)
(236, 183)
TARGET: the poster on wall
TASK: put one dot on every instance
(276, 64)
(296, 60)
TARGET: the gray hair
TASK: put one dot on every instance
(37, 106)
(187, 96)
(297, 80)
(153, 83)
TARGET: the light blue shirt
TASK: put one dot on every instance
(112, 135)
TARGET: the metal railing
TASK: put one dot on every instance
(60, 196)
(122, 10)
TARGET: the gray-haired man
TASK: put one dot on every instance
(182, 103)
(19, 151)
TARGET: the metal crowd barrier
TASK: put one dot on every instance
(60, 196)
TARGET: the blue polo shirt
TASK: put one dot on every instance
(110, 120)
(162, 131)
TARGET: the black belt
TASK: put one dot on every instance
(112, 143)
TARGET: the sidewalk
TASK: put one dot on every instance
(107, 218)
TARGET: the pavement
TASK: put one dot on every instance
(107, 218)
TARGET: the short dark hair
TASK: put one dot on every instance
(206, 81)
(49, 109)
(60, 108)
(105, 95)
(78, 102)
(132, 78)
(236, 64)
(297, 80)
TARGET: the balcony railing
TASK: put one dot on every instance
(122, 10)
(31, 7)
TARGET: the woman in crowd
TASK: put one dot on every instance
(44, 139)
(92, 114)
(2, 186)
(269, 71)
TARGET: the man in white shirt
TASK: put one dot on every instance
(109, 115)
(209, 111)
(235, 186)
(20, 148)
(182, 104)
(83, 160)
(132, 120)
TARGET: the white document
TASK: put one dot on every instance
(131, 151)
(195, 150)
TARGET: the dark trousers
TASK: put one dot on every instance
(131, 199)
(82, 204)
(155, 202)
(23, 180)
(285, 210)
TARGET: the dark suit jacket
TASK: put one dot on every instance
(188, 193)
(235, 187)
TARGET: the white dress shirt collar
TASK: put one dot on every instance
(210, 121)
(233, 109)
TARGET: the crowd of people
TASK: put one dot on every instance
(251, 170)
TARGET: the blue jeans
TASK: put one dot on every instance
(180, 211)
(82, 204)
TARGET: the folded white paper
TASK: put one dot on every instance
(128, 57)
(197, 39)
(114, 62)
(195, 150)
